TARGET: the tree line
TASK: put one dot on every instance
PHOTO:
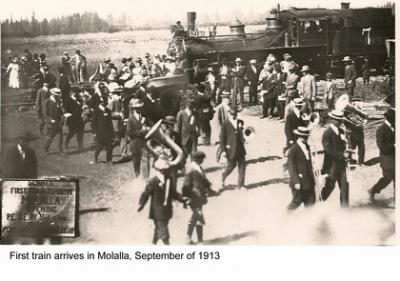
(88, 22)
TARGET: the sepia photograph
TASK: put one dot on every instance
(198, 123)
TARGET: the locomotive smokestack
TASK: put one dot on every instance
(345, 5)
(191, 21)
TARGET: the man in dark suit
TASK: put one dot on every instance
(385, 139)
(54, 119)
(349, 75)
(334, 143)
(136, 130)
(268, 91)
(103, 130)
(162, 193)
(42, 95)
(73, 106)
(251, 76)
(20, 160)
(238, 72)
(232, 145)
(196, 186)
(292, 121)
(302, 182)
(188, 128)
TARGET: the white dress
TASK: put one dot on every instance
(14, 79)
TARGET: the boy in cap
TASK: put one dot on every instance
(385, 139)
(161, 192)
(335, 158)
(196, 186)
(330, 91)
(302, 182)
(54, 119)
(308, 87)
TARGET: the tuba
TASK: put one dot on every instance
(249, 133)
(354, 115)
(160, 145)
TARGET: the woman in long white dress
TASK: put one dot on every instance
(14, 72)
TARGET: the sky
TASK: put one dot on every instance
(160, 10)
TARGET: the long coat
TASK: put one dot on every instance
(308, 87)
(14, 166)
(41, 97)
(195, 186)
(102, 125)
(350, 75)
(232, 141)
(136, 133)
(268, 88)
(334, 147)
(385, 139)
(53, 111)
(74, 107)
(252, 76)
(300, 169)
(156, 190)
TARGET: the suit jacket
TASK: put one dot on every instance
(195, 186)
(252, 76)
(231, 140)
(136, 134)
(385, 139)
(222, 113)
(156, 190)
(268, 88)
(102, 125)
(308, 87)
(186, 130)
(291, 123)
(74, 107)
(350, 75)
(334, 147)
(238, 76)
(292, 81)
(17, 168)
(64, 86)
(300, 169)
(53, 111)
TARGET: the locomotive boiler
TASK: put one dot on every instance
(318, 37)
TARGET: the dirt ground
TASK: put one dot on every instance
(109, 195)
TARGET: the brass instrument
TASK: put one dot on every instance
(353, 115)
(160, 145)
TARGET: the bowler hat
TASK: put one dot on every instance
(197, 155)
(336, 114)
(302, 131)
(108, 59)
(124, 60)
(26, 137)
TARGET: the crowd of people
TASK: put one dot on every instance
(122, 109)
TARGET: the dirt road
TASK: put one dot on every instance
(257, 216)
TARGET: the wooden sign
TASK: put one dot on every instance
(39, 208)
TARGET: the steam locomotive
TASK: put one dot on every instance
(318, 37)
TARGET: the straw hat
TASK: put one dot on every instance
(253, 61)
(346, 58)
(238, 60)
(302, 131)
(336, 114)
(305, 68)
(298, 102)
(135, 103)
(55, 91)
(169, 119)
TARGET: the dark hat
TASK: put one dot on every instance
(147, 55)
(336, 114)
(225, 95)
(169, 119)
(198, 155)
(124, 60)
(353, 99)
(298, 102)
(107, 59)
(302, 131)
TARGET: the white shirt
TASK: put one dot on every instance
(304, 148)
(334, 128)
(389, 125)
(233, 122)
(21, 151)
(137, 115)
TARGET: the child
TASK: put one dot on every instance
(365, 71)
(330, 91)
(162, 192)
(195, 187)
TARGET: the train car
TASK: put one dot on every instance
(318, 37)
